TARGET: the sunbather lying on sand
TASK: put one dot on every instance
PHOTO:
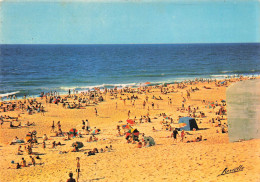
(198, 139)
(29, 124)
(16, 140)
(207, 87)
(13, 126)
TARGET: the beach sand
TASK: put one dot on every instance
(166, 161)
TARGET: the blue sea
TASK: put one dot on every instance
(32, 69)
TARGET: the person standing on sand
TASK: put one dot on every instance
(43, 145)
(33, 161)
(174, 134)
(59, 125)
(53, 127)
(129, 113)
(71, 179)
(96, 112)
(78, 168)
(87, 128)
(182, 135)
(83, 124)
(42, 110)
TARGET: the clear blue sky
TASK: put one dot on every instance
(118, 22)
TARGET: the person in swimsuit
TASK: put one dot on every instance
(96, 112)
(43, 145)
(78, 168)
(182, 135)
(23, 163)
(33, 161)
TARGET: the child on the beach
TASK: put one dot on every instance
(182, 135)
(20, 152)
(23, 163)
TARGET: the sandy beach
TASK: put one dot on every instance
(167, 160)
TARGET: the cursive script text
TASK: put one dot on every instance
(228, 171)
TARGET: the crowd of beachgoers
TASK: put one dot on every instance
(141, 108)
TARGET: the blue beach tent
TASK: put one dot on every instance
(190, 123)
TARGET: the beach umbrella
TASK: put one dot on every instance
(132, 131)
(223, 101)
(136, 133)
(127, 134)
(150, 140)
(126, 126)
(181, 125)
(96, 131)
(78, 144)
(73, 132)
(129, 131)
(147, 83)
(130, 121)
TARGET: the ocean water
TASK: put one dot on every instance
(31, 69)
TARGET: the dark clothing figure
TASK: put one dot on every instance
(175, 133)
(71, 179)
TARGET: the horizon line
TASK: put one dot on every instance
(134, 43)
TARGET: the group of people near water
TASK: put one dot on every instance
(98, 96)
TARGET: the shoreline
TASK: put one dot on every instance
(103, 86)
